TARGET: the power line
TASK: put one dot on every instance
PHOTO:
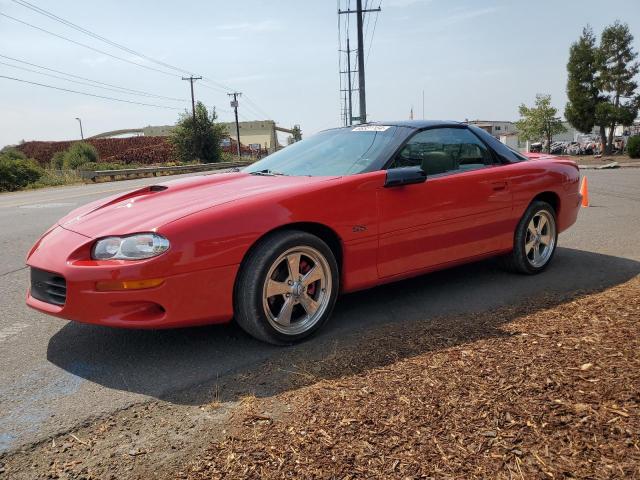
(375, 24)
(214, 84)
(116, 89)
(89, 94)
(92, 34)
(256, 107)
(70, 24)
(87, 46)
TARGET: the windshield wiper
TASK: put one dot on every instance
(268, 173)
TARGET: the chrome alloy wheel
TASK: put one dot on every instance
(297, 290)
(540, 239)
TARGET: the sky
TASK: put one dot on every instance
(472, 59)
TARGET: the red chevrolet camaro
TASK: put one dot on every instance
(274, 244)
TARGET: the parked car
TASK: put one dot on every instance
(274, 244)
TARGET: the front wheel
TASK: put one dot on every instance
(286, 288)
(535, 240)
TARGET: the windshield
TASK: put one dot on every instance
(343, 151)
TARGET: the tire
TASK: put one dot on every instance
(523, 257)
(277, 307)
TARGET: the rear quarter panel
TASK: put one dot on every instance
(550, 174)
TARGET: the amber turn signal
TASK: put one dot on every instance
(108, 286)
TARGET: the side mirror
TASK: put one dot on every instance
(397, 177)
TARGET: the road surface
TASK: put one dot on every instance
(56, 374)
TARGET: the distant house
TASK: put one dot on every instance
(495, 127)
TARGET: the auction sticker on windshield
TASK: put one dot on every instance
(371, 128)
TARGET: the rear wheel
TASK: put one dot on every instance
(287, 287)
(535, 240)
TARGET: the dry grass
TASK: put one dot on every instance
(555, 394)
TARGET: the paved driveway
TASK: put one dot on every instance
(55, 374)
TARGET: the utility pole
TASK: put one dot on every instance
(81, 133)
(234, 104)
(193, 101)
(348, 92)
(361, 91)
(359, 11)
(349, 82)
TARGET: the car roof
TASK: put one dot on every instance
(418, 124)
(413, 124)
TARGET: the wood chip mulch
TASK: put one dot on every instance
(555, 395)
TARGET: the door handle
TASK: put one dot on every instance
(499, 186)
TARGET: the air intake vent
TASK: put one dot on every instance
(48, 287)
(157, 188)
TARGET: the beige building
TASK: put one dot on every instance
(255, 133)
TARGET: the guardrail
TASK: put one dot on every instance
(128, 172)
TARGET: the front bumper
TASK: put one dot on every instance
(184, 299)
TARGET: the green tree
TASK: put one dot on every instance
(617, 70)
(198, 138)
(582, 87)
(541, 122)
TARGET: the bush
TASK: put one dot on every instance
(57, 161)
(55, 178)
(12, 154)
(78, 154)
(17, 173)
(633, 147)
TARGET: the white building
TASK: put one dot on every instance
(495, 127)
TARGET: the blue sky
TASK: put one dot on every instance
(473, 59)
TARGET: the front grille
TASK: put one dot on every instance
(48, 287)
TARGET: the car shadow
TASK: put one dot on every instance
(220, 362)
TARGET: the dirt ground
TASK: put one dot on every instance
(549, 389)
(553, 394)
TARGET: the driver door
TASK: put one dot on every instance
(462, 211)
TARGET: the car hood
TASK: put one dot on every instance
(151, 207)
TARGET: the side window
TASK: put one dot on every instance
(500, 148)
(444, 150)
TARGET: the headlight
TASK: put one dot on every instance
(131, 247)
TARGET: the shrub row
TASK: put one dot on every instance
(17, 171)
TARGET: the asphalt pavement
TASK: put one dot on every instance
(56, 374)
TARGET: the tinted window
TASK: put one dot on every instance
(444, 150)
(341, 151)
(499, 147)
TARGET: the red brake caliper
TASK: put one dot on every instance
(304, 268)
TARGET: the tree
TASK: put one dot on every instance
(601, 86)
(78, 154)
(539, 122)
(617, 65)
(582, 87)
(199, 139)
